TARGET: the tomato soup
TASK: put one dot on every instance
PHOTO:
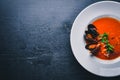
(111, 26)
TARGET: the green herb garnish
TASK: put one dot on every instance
(104, 39)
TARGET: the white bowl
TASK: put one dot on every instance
(94, 65)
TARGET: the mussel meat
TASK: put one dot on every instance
(91, 39)
(88, 37)
(90, 46)
(95, 50)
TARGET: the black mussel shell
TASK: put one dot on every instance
(91, 26)
(93, 32)
(96, 50)
(90, 40)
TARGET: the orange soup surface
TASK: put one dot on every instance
(110, 26)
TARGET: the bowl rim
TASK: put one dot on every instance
(71, 41)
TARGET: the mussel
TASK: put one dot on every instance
(91, 39)
(94, 33)
(91, 26)
(91, 33)
(92, 30)
(94, 48)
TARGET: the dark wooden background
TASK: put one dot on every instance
(35, 40)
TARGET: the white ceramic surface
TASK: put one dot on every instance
(92, 64)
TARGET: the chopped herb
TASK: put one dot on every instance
(105, 35)
(104, 39)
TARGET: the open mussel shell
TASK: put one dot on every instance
(95, 50)
(88, 38)
(91, 39)
(93, 32)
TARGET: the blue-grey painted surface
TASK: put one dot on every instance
(35, 40)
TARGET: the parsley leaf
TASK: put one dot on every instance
(106, 41)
